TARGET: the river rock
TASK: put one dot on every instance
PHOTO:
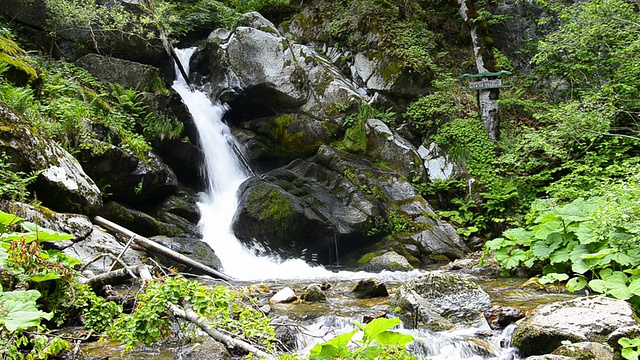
(585, 351)
(549, 357)
(499, 317)
(194, 249)
(584, 319)
(389, 261)
(314, 293)
(370, 288)
(441, 301)
(209, 349)
(286, 295)
(62, 185)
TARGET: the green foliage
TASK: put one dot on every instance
(13, 185)
(594, 240)
(378, 342)
(630, 348)
(151, 322)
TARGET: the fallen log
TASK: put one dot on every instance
(190, 315)
(157, 248)
(120, 275)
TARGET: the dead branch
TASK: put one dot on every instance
(157, 248)
(120, 275)
(190, 315)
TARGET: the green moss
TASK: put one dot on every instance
(278, 209)
(366, 258)
(21, 72)
(394, 266)
(355, 140)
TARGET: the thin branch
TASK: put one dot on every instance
(190, 315)
(614, 135)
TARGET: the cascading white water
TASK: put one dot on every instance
(224, 174)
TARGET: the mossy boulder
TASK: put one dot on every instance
(62, 184)
(441, 301)
(370, 288)
(313, 293)
(585, 351)
(127, 73)
(389, 261)
(20, 72)
(590, 319)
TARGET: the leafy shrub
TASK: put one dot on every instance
(378, 342)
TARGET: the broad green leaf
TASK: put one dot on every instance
(497, 243)
(519, 235)
(626, 342)
(553, 277)
(572, 212)
(599, 286)
(617, 286)
(7, 220)
(622, 258)
(19, 310)
(634, 287)
(576, 284)
(605, 273)
(512, 259)
(393, 338)
(544, 230)
(598, 255)
(333, 348)
(46, 277)
(629, 353)
(559, 256)
(44, 234)
(378, 326)
(585, 232)
(542, 250)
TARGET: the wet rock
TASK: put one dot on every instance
(626, 331)
(499, 317)
(139, 222)
(389, 261)
(585, 351)
(314, 293)
(285, 295)
(579, 320)
(370, 288)
(195, 249)
(549, 357)
(287, 335)
(441, 301)
(209, 349)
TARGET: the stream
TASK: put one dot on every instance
(314, 322)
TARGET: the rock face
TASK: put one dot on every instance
(583, 319)
(328, 205)
(124, 72)
(62, 185)
(441, 301)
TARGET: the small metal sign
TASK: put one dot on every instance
(485, 84)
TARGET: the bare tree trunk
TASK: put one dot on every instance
(485, 62)
(157, 248)
(189, 315)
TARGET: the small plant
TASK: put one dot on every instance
(630, 348)
(378, 342)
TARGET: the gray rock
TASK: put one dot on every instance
(209, 349)
(626, 331)
(62, 185)
(127, 73)
(370, 288)
(549, 357)
(585, 351)
(583, 319)
(389, 261)
(314, 293)
(441, 301)
(286, 295)
(398, 153)
(437, 163)
(194, 249)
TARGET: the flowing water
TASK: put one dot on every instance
(224, 173)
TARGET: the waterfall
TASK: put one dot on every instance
(224, 173)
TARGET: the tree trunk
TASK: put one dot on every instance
(157, 248)
(485, 62)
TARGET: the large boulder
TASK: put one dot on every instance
(441, 301)
(330, 205)
(590, 319)
(130, 179)
(126, 73)
(62, 184)
(261, 74)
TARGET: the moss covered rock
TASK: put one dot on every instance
(20, 72)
